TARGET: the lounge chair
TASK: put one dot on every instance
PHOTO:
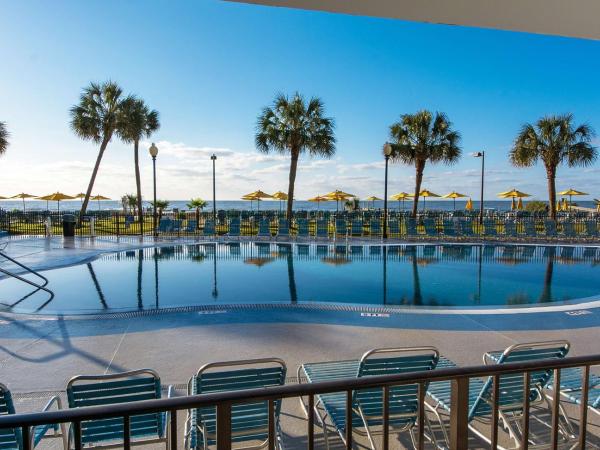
(550, 227)
(466, 228)
(322, 229)
(209, 228)
(393, 228)
(489, 228)
(12, 438)
(375, 228)
(356, 227)
(367, 404)
(302, 230)
(571, 389)
(234, 228)
(264, 228)
(341, 228)
(430, 227)
(568, 230)
(510, 229)
(591, 228)
(249, 421)
(529, 228)
(283, 230)
(102, 390)
(165, 225)
(176, 226)
(449, 228)
(191, 226)
(411, 228)
(511, 390)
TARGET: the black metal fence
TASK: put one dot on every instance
(459, 378)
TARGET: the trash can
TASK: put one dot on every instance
(69, 225)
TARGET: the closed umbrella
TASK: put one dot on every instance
(454, 195)
(56, 197)
(23, 196)
(571, 192)
(425, 193)
(98, 198)
(372, 199)
(469, 205)
(401, 196)
(520, 203)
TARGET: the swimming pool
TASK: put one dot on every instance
(250, 273)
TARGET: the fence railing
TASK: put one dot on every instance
(459, 378)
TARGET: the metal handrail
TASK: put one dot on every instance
(25, 280)
(288, 391)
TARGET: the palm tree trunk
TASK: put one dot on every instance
(293, 169)
(138, 184)
(551, 174)
(420, 166)
(546, 295)
(88, 193)
(197, 218)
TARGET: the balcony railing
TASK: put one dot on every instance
(458, 376)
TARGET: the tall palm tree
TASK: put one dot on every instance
(424, 137)
(137, 121)
(293, 126)
(4, 134)
(95, 118)
(554, 140)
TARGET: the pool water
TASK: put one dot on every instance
(243, 273)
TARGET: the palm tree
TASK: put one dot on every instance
(293, 126)
(422, 137)
(4, 134)
(137, 121)
(198, 204)
(160, 206)
(554, 140)
(95, 118)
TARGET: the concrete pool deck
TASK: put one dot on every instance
(39, 354)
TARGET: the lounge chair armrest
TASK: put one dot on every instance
(43, 429)
(54, 400)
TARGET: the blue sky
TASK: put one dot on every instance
(209, 67)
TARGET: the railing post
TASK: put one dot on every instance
(92, 226)
(459, 410)
(117, 216)
(224, 426)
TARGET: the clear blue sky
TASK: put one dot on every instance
(209, 67)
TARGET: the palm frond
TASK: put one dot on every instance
(4, 135)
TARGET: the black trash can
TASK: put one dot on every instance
(69, 225)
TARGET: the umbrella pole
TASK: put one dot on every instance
(23, 204)
(454, 204)
(58, 206)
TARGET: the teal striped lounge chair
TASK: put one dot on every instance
(283, 229)
(449, 228)
(375, 228)
(529, 227)
(511, 390)
(263, 228)
(209, 228)
(571, 389)
(165, 225)
(356, 227)
(510, 229)
(341, 228)
(411, 228)
(302, 228)
(568, 230)
(591, 228)
(550, 227)
(135, 385)
(489, 228)
(12, 438)
(430, 228)
(393, 228)
(466, 228)
(322, 229)
(367, 404)
(191, 226)
(234, 228)
(249, 421)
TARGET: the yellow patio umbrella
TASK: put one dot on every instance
(23, 196)
(513, 204)
(56, 197)
(3, 198)
(372, 199)
(469, 205)
(571, 192)
(565, 205)
(425, 193)
(98, 198)
(80, 196)
(318, 199)
(256, 195)
(513, 193)
(454, 195)
(280, 196)
(338, 195)
(401, 196)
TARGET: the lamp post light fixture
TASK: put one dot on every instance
(387, 152)
(214, 159)
(482, 156)
(153, 150)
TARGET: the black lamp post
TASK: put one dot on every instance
(213, 159)
(153, 150)
(482, 156)
(387, 152)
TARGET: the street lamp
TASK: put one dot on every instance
(387, 152)
(482, 156)
(213, 159)
(153, 150)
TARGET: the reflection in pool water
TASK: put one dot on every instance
(237, 273)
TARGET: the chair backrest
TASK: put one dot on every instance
(375, 227)
(192, 225)
(283, 229)
(10, 438)
(511, 386)
(263, 228)
(322, 230)
(341, 228)
(302, 225)
(411, 227)
(529, 227)
(357, 227)
(466, 227)
(510, 228)
(550, 227)
(568, 228)
(430, 227)
(97, 390)
(490, 227)
(209, 228)
(249, 421)
(165, 225)
(176, 226)
(234, 228)
(403, 400)
(591, 228)
(449, 228)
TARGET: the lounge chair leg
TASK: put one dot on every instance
(368, 430)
